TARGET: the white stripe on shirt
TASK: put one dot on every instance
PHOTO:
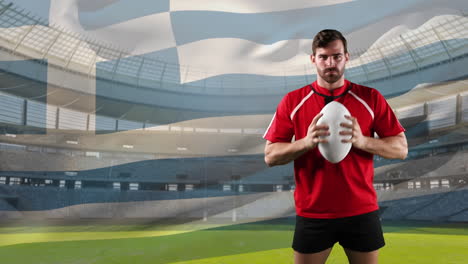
(300, 104)
(364, 103)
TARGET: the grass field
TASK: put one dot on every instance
(257, 243)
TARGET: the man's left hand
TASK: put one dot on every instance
(354, 130)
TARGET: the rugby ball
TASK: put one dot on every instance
(333, 114)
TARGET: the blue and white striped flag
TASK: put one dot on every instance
(216, 38)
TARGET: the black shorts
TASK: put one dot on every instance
(360, 233)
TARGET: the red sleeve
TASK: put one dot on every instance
(386, 123)
(281, 127)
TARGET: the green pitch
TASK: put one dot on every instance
(257, 243)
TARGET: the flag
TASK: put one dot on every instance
(222, 38)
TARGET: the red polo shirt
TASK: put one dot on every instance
(324, 189)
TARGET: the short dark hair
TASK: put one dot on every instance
(325, 37)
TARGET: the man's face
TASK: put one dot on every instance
(330, 61)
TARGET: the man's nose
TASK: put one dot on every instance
(330, 62)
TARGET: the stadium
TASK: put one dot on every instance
(113, 154)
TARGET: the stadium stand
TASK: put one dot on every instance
(444, 206)
(99, 203)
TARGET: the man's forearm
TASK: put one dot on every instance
(282, 153)
(389, 147)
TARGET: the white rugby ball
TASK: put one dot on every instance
(333, 114)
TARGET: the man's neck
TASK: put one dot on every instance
(330, 86)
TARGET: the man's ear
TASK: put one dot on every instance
(312, 58)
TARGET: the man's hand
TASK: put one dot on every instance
(284, 152)
(392, 147)
(357, 138)
(316, 133)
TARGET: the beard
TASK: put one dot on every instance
(331, 75)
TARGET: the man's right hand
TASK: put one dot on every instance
(316, 133)
(284, 152)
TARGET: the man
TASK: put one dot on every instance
(334, 202)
